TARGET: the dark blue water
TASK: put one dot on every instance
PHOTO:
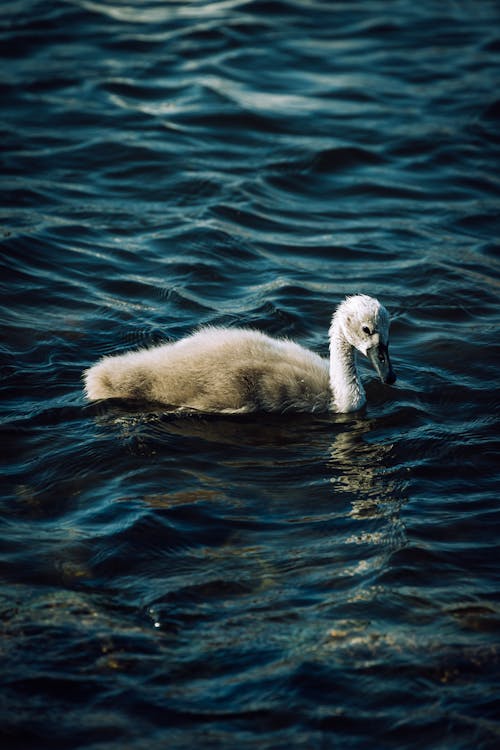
(254, 583)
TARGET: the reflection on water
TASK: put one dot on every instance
(363, 471)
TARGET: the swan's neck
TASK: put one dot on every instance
(347, 390)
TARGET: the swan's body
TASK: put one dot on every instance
(235, 370)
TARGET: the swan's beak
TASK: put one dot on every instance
(379, 357)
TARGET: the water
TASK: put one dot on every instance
(305, 583)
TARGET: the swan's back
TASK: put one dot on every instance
(218, 369)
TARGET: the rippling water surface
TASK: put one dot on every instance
(260, 582)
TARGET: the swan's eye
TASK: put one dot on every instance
(366, 330)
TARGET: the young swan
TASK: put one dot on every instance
(236, 370)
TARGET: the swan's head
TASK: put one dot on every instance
(365, 323)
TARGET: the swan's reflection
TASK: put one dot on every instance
(246, 431)
(358, 468)
(357, 462)
(362, 470)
